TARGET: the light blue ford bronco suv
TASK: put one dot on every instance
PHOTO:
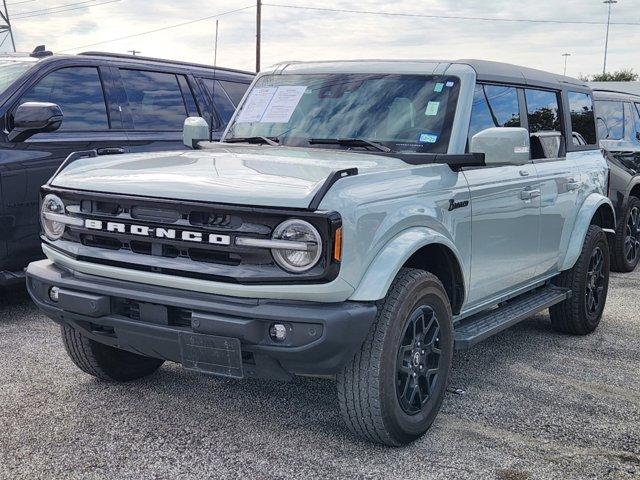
(359, 220)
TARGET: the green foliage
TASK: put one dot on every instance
(624, 75)
(544, 119)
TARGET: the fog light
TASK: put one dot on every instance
(278, 332)
(54, 294)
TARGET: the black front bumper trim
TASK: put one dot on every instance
(322, 336)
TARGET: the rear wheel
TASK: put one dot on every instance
(626, 246)
(392, 389)
(105, 362)
(589, 284)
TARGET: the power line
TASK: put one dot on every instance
(56, 7)
(447, 17)
(39, 13)
(159, 29)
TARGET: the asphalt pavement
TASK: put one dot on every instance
(536, 405)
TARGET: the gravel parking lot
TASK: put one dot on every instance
(537, 405)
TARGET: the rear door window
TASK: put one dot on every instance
(78, 91)
(155, 100)
(494, 106)
(545, 125)
(610, 119)
(583, 124)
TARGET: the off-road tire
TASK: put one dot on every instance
(367, 384)
(619, 261)
(572, 315)
(103, 361)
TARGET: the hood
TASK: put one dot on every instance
(233, 174)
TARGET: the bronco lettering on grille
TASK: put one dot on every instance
(168, 233)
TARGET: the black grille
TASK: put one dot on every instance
(212, 257)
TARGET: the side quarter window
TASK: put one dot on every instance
(583, 126)
(223, 105)
(610, 120)
(235, 90)
(494, 106)
(545, 124)
(79, 93)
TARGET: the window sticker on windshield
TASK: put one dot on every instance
(283, 104)
(428, 138)
(438, 88)
(432, 108)
(271, 104)
(254, 107)
(449, 84)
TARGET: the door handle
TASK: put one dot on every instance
(110, 150)
(529, 193)
(573, 185)
(524, 173)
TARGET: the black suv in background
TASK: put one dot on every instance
(618, 117)
(108, 102)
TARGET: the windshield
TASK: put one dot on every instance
(10, 70)
(406, 113)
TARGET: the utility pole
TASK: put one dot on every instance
(566, 56)
(606, 41)
(258, 32)
(4, 14)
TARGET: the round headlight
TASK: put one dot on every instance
(308, 248)
(52, 229)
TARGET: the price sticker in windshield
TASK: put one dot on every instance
(271, 104)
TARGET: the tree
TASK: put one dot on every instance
(624, 75)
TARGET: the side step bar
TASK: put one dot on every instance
(482, 325)
(11, 278)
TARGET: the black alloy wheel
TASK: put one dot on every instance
(632, 236)
(595, 281)
(418, 360)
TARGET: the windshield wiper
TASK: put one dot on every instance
(349, 142)
(273, 141)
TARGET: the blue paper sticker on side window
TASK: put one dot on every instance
(428, 138)
(438, 88)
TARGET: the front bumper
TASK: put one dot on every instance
(150, 320)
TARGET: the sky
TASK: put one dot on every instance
(300, 34)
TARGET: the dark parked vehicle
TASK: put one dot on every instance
(52, 105)
(618, 117)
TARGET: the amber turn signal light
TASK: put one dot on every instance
(337, 245)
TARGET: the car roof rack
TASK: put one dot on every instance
(619, 92)
(124, 56)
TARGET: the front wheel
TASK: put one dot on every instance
(105, 362)
(589, 284)
(391, 390)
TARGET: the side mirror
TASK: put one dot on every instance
(195, 129)
(35, 117)
(502, 145)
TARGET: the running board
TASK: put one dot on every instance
(482, 325)
(11, 278)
